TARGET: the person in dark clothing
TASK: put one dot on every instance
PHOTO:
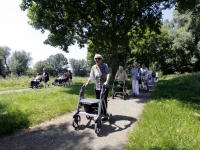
(70, 77)
(45, 76)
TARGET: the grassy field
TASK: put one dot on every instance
(171, 119)
(24, 109)
(15, 83)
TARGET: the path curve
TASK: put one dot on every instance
(58, 133)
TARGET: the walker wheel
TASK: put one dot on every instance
(113, 96)
(76, 122)
(97, 126)
(124, 97)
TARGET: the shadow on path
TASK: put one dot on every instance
(51, 137)
(113, 126)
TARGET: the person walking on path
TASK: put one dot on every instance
(45, 76)
(121, 76)
(156, 76)
(153, 76)
(134, 79)
(144, 74)
(70, 77)
(100, 73)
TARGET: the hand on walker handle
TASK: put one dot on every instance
(105, 83)
(85, 84)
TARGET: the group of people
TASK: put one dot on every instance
(100, 74)
(45, 77)
(139, 76)
(39, 78)
(67, 76)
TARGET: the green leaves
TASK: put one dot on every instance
(104, 22)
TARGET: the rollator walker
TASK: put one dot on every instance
(93, 109)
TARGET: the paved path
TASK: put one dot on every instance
(58, 133)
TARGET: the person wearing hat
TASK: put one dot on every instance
(121, 76)
(134, 79)
(45, 76)
(100, 74)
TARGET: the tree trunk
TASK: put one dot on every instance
(6, 64)
(115, 62)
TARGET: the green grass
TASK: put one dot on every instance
(24, 109)
(15, 83)
(170, 120)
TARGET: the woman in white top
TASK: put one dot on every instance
(134, 79)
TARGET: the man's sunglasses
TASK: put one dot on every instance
(98, 58)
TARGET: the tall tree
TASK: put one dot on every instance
(2, 68)
(4, 55)
(124, 54)
(20, 60)
(38, 67)
(58, 62)
(79, 67)
(150, 47)
(184, 36)
(104, 22)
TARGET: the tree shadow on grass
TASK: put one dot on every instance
(11, 120)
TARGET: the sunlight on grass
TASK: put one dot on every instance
(24, 109)
(14, 83)
(170, 119)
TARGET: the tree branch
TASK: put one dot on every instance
(93, 40)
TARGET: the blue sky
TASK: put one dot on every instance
(18, 35)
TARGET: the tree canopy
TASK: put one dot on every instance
(184, 40)
(4, 58)
(54, 64)
(79, 67)
(20, 60)
(104, 22)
